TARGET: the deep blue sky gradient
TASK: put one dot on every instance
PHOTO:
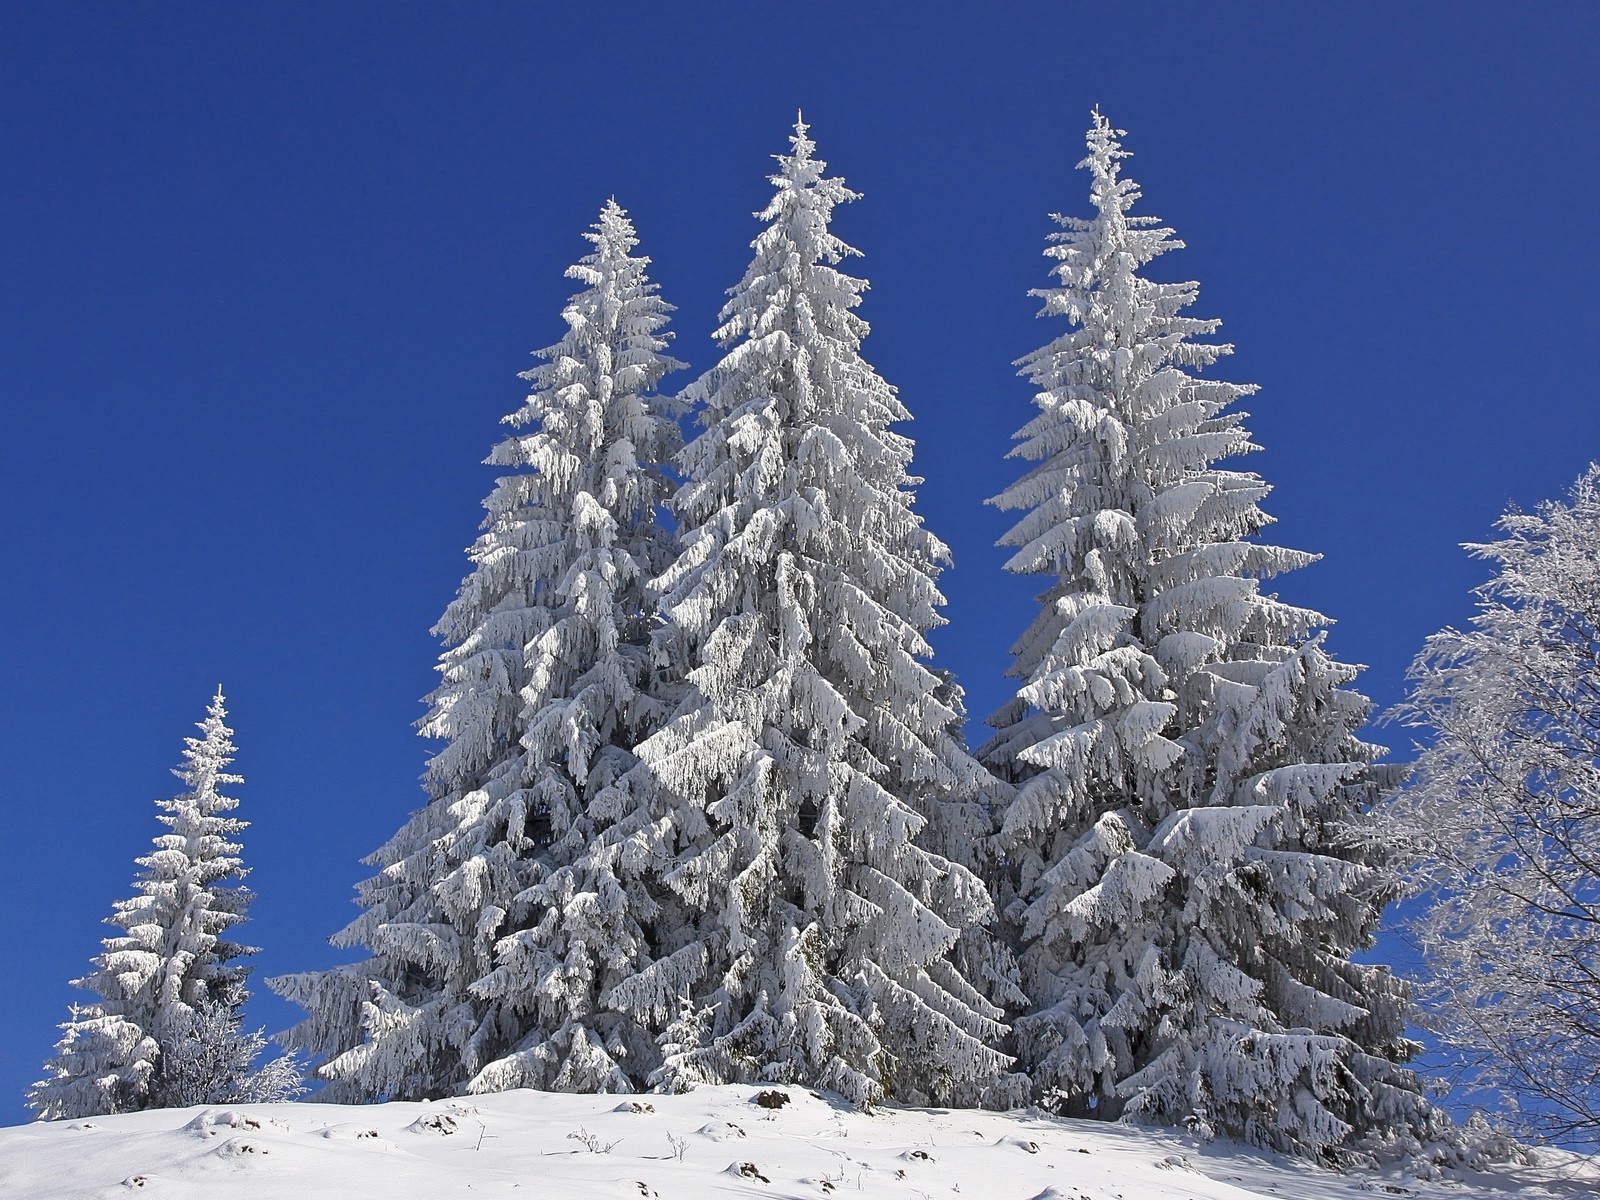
(269, 273)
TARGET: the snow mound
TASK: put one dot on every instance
(241, 1148)
(442, 1124)
(363, 1134)
(213, 1121)
(722, 1131)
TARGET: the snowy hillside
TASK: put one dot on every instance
(712, 1142)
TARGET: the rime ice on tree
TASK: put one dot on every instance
(804, 933)
(165, 1031)
(495, 922)
(1499, 823)
(1188, 842)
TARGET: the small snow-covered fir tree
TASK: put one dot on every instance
(1188, 846)
(494, 923)
(103, 1064)
(170, 986)
(804, 934)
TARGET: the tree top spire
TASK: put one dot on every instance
(1105, 146)
(802, 145)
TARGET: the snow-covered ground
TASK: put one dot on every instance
(712, 1142)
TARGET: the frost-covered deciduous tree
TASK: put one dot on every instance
(804, 933)
(495, 922)
(209, 1059)
(171, 984)
(1187, 846)
(1501, 822)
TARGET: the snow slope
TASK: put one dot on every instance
(713, 1142)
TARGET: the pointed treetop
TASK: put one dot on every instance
(795, 163)
(1109, 191)
(612, 232)
(206, 756)
(216, 711)
(1103, 138)
(213, 727)
(802, 188)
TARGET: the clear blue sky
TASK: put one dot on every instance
(269, 273)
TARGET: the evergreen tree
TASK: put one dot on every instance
(1188, 848)
(491, 927)
(804, 935)
(170, 986)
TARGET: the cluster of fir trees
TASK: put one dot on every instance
(703, 812)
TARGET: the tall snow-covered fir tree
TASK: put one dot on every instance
(170, 985)
(494, 922)
(804, 934)
(1192, 863)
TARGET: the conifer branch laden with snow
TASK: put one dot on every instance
(166, 1030)
(1188, 846)
(497, 920)
(805, 934)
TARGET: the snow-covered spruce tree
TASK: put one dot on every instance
(495, 922)
(804, 933)
(170, 986)
(1191, 862)
(1501, 823)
